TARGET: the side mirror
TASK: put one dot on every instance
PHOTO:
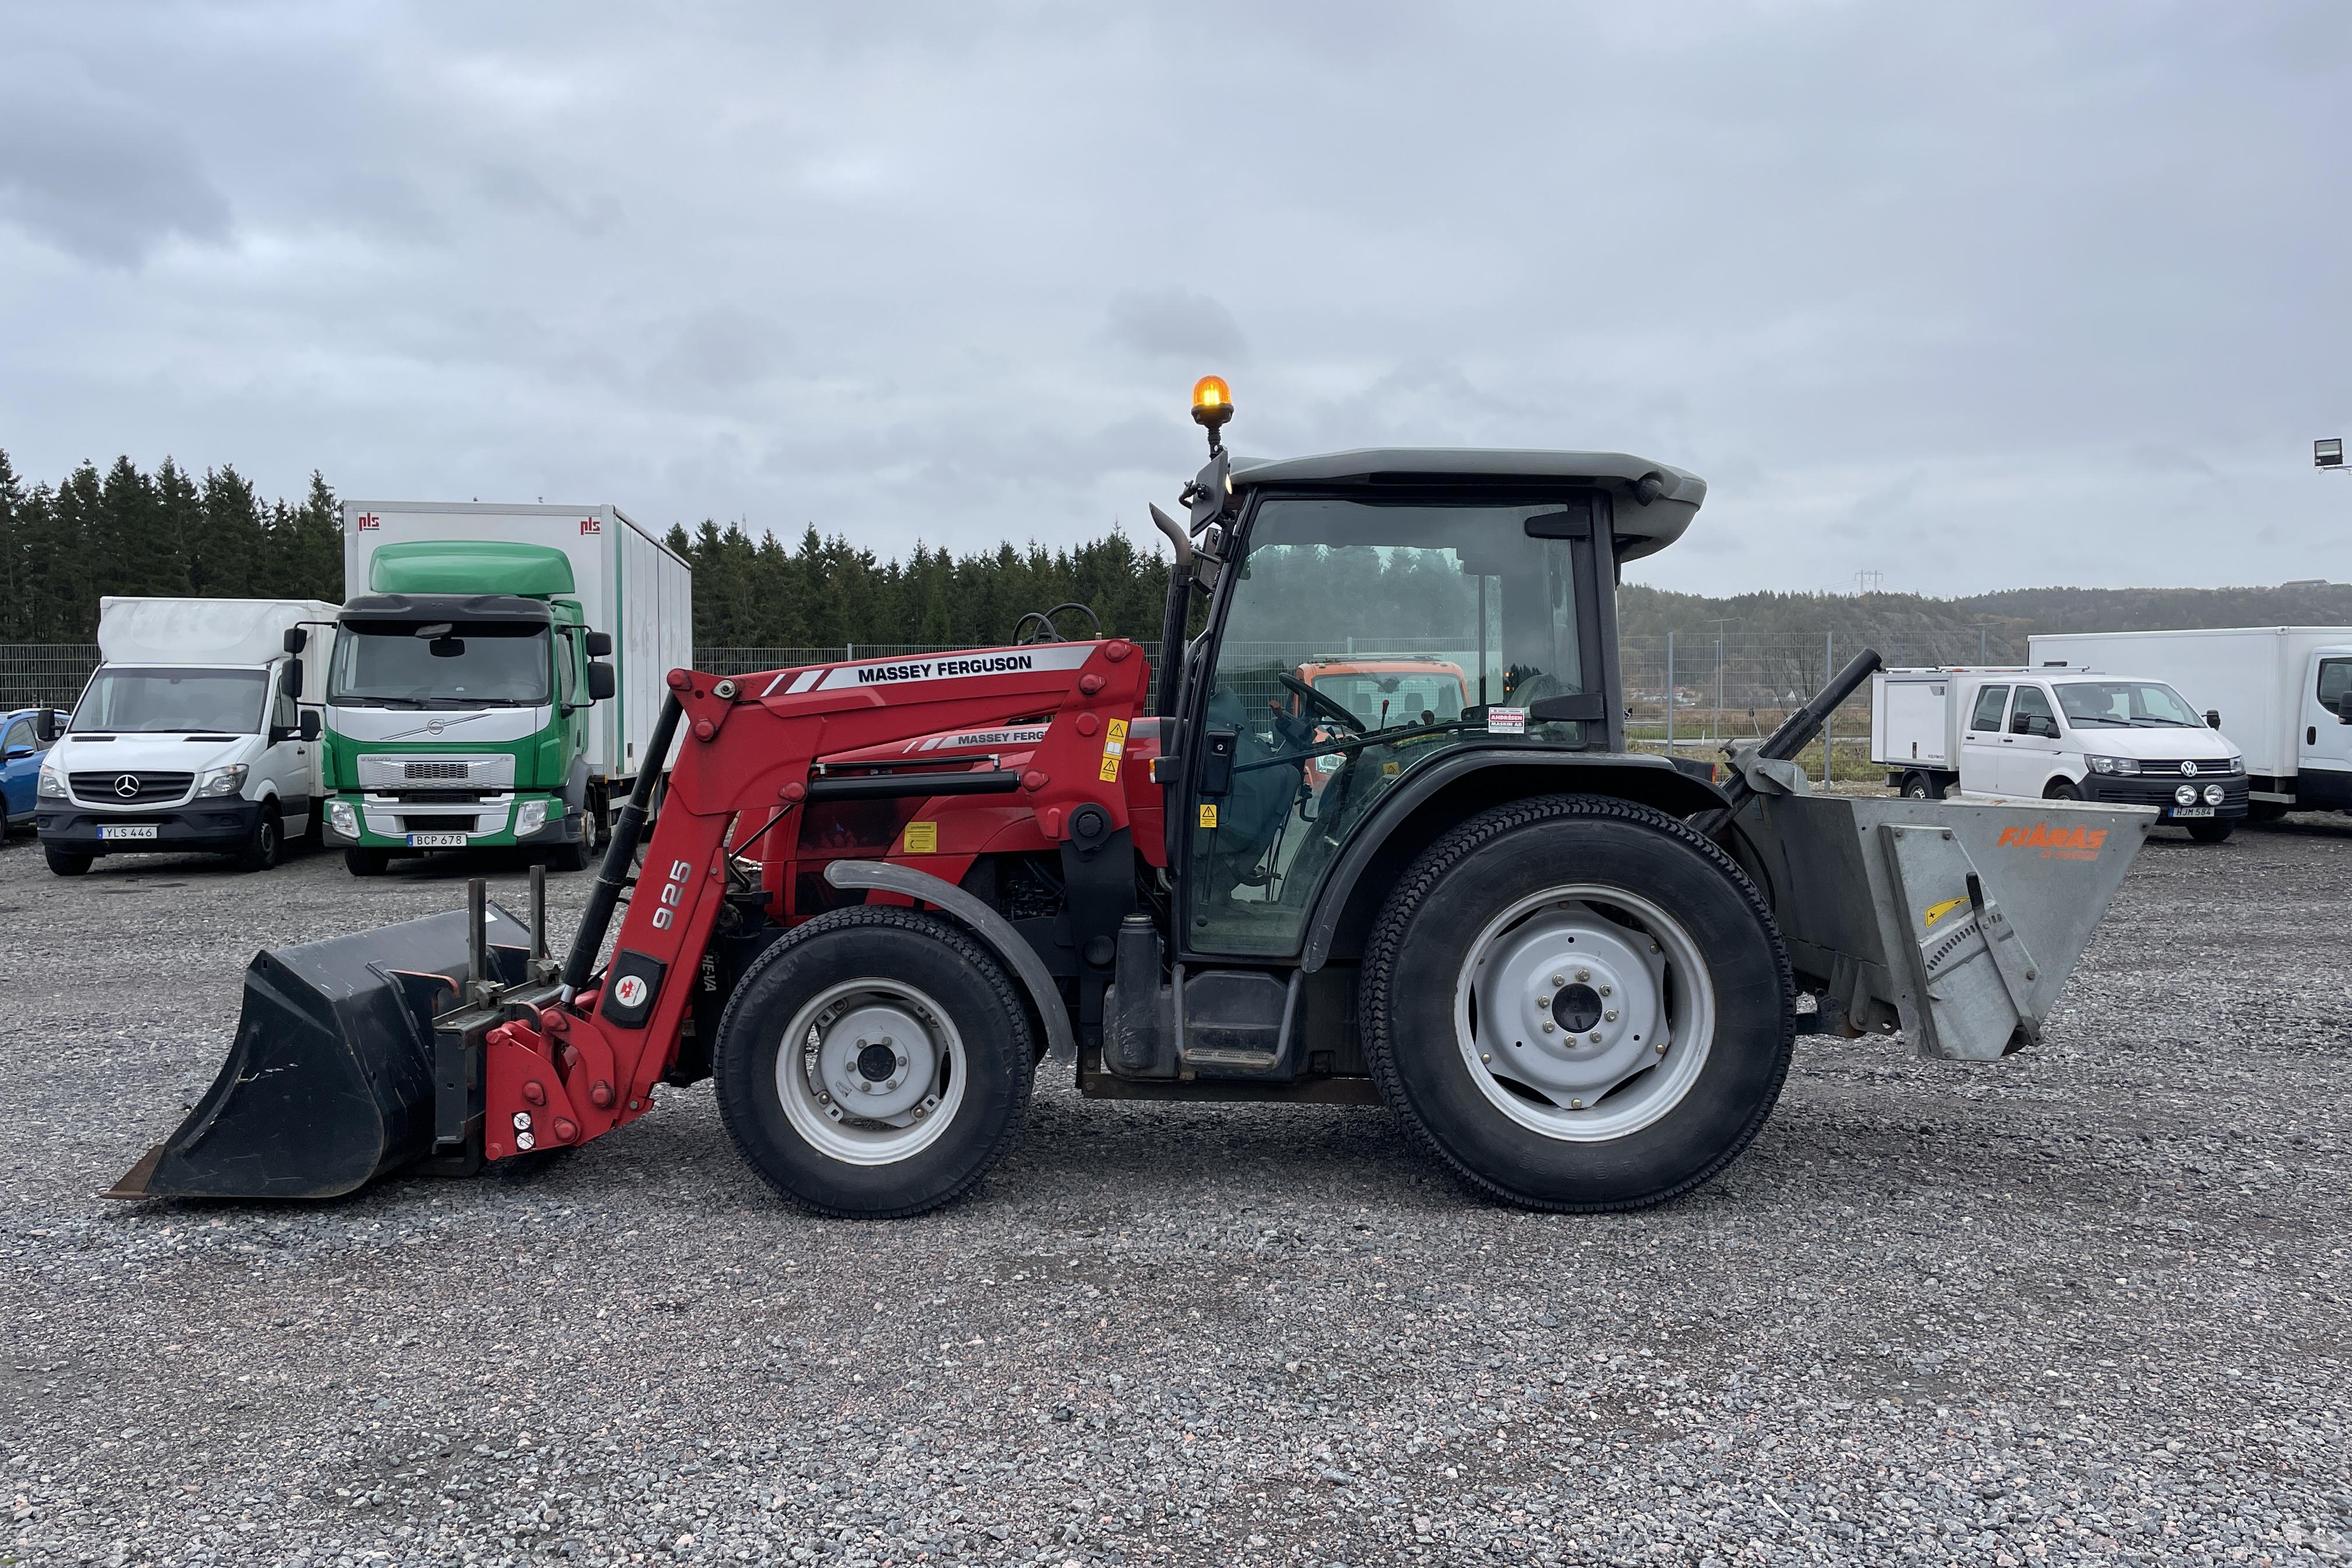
(293, 678)
(309, 726)
(2344, 709)
(16, 754)
(599, 644)
(2212, 718)
(44, 725)
(600, 682)
(297, 639)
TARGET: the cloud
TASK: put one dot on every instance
(97, 174)
(1175, 323)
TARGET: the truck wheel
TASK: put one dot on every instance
(2264, 811)
(1919, 786)
(366, 862)
(66, 863)
(1578, 1004)
(2212, 832)
(260, 851)
(579, 856)
(875, 1063)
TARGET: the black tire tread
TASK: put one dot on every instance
(968, 949)
(1420, 877)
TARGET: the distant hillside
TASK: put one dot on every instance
(1915, 627)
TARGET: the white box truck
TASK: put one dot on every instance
(192, 733)
(2060, 733)
(2278, 692)
(498, 676)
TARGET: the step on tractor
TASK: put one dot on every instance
(877, 896)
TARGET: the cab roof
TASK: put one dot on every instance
(1640, 529)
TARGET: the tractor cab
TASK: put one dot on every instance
(1497, 567)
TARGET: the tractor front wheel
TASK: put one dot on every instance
(874, 1063)
(1578, 1004)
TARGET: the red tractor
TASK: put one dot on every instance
(878, 895)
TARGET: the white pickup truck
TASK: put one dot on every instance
(189, 736)
(2055, 734)
(2278, 692)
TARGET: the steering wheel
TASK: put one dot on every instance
(1046, 631)
(1327, 707)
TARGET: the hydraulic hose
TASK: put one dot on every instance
(628, 828)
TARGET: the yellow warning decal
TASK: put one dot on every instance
(1114, 748)
(922, 839)
(1208, 813)
(1939, 911)
(1388, 770)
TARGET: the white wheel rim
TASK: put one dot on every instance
(1638, 994)
(870, 1071)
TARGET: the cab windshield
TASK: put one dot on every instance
(132, 701)
(1363, 640)
(442, 664)
(2126, 705)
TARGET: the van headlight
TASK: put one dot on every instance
(221, 780)
(53, 783)
(2114, 764)
(342, 818)
(529, 817)
(2236, 765)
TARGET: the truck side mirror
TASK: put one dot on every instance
(2344, 709)
(44, 725)
(293, 679)
(309, 724)
(297, 639)
(600, 682)
(599, 644)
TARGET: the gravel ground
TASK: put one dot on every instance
(2087, 1305)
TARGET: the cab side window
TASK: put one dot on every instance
(2334, 680)
(2032, 714)
(282, 714)
(1989, 702)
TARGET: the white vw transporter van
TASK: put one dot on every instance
(2056, 734)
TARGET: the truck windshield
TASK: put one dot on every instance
(430, 664)
(1391, 697)
(2127, 704)
(131, 700)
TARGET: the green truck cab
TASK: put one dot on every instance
(460, 706)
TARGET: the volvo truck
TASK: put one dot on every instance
(497, 675)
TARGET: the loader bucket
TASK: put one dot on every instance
(1954, 921)
(330, 1083)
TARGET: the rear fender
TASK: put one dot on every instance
(1452, 790)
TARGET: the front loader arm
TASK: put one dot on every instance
(748, 746)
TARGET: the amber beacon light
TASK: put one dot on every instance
(1212, 400)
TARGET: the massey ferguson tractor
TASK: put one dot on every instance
(878, 895)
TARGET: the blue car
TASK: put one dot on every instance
(21, 751)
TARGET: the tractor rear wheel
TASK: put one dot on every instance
(1578, 1003)
(874, 1063)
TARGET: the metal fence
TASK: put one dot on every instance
(1692, 692)
(32, 673)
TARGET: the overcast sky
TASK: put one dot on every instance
(1974, 296)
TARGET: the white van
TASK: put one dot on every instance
(2278, 692)
(2056, 734)
(189, 736)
